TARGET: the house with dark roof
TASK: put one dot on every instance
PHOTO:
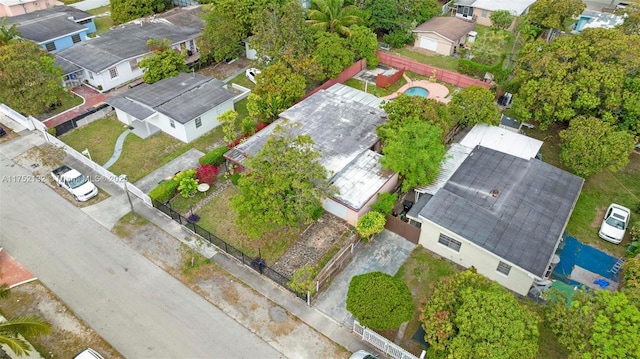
(111, 60)
(342, 123)
(500, 213)
(184, 106)
(443, 35)
(11, 8)
(55, 28)
(481, 10)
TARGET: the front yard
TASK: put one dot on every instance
(99, 137)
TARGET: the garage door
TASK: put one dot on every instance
(428, 43)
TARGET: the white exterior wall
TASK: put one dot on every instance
(470, 254)
(124, 117)
(125, 74)
(445, 47)
(164, 124)
(209, 121)
(337, 209)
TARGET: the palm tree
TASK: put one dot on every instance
(8, 35)
(329, 15)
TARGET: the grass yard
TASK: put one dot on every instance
(241, 109)
(373, 89)
(183, 205)
(548, 346)
(443, 62)
(103, 24)
(218, 218)
(99, 137)
(68, 102)
(209, 140)
(243, 81)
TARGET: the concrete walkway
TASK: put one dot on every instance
(118, 149)
(183, 162)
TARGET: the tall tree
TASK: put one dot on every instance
(631, 24)
(31, 83)
(405, 107)
(501, 20)
(631, 276)
(163, 62)
(469, 317)
(489, 47)
(333, 16)
(589, 145)
(277, 88)
(127, 10)
(12, 331)
(555, 14)
(8, 35)
(332, 54)
(415, 152)
(597, 324)
(283, 185)
(364, 44)
(370, 224)
(474, 105)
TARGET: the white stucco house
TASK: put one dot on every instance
(443, 35)
(481, 10)
(500, 211)
(342, 123)
(184, 106)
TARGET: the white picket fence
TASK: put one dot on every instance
(383, 344)
(28, 122)
(103, 172)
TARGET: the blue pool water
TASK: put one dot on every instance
(417, 91)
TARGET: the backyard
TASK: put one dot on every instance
(103, 23)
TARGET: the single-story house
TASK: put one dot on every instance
(342, 123)
(184, 106)
(11, 8)
(590, 19)
(480, 10)
(111, 60)
(443, 35)
(502, 213)
(55, 28)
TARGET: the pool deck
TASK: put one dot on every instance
(436, 91)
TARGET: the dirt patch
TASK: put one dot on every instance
(223, 70)
(69, 334)
(10, 135)
(597, 220)
(327, 232)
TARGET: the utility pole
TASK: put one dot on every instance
(126, 190)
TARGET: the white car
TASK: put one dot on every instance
(88, 354)
(615, 223)
(362, 354)
(251, 74)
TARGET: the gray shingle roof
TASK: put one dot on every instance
(48, 24)
(451, 27)
(182, 98)
(67, 67)
(524, 223)
(124, 43)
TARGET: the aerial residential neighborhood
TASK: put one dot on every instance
(324, 178)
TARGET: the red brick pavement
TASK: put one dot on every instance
(91, 98)
(13, 273)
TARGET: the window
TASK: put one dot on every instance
(172, 123)
(113, 72)
(484, 13)
(133, 64)
(50, 46)
(76, 38)
(84, 22)
(90, 75)
(449, 242)
(198, 122)
(504, 268)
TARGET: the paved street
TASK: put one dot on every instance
(134, 305)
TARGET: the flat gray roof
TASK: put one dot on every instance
(124, 43)
(523, 223)
(48, 24)
(341, 128)
(67, 67)
(182, 98)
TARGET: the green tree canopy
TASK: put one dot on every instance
(127, 10)
(555, 14)
(371, 224)
(589, 145)
(31, 83)
(333, 16)
(631, 278)
(592, 74)
(597, 324)
(631, 24)
(332, 54)
(379, 301)
(277, 88)
(415, 152)
(283, 184)
(501, 20)
(163, 62)
(474, 105)
(488, 48)
(13, 331)
(469, 317)
(404, 107)
(10, 34)
(364, 44)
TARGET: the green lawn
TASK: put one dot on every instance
(99, 137)
(373, 89)
(68, 101)
(103, 24)
(242, 80)
(99, 10)
(209, 140)
(443, 62)
(241, 109)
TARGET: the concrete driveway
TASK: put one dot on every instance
(185, 161)
(386, 253)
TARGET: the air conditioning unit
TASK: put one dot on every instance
(471, 36)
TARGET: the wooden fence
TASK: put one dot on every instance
(406, 230)
(337, 262)
(449, 77)
(384, 81)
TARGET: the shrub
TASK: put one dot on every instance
(214, 157)
(303, 280)
(317, 213)
(472, 68)
(207, 174)
(187, 182)
(398, 38)
(370, 224)
(164, 191)
(234, 178)
(385, 203)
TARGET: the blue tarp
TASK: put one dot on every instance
(594, 260)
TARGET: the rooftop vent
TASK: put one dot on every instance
(494, 193)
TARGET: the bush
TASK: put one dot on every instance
(317, 213)
(472, 68)
(385, 203)
(207, 174)
(234, 178)
(398, 38)
(303, 280)
(214, 157)
(164, 191)
(370, 224)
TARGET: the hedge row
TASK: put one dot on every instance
(468, 67)
(214, 157)
(164, 191)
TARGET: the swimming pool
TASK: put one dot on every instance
(417, 91)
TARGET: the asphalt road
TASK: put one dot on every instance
(139, 309)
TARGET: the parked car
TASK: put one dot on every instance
(251, 74)
(615, 223)
(2, 132)
(75, 183)
(362, 354)
(88, 354)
